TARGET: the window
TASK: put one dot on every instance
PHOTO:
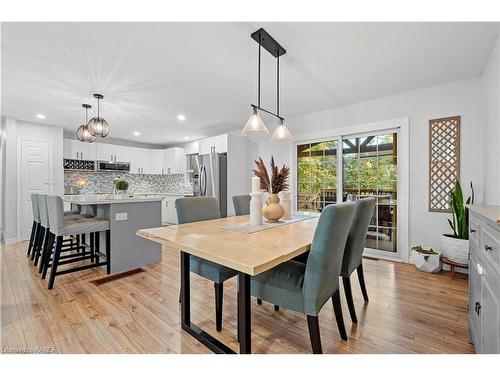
(316, 175)
(368, 167)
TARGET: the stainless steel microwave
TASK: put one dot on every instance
(108, 166)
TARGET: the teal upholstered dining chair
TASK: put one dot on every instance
(353, 254)
(307, 287)
(198, 209)
(241, 204)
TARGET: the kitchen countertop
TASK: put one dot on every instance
(108, 199)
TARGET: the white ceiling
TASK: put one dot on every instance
(151, 72)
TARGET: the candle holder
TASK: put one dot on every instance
(256, 209)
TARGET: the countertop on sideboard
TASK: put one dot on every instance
(490, 213)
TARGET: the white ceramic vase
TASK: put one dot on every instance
(256, 209)
(455, 249)
(286, 203)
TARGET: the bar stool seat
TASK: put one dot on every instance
(84, 225)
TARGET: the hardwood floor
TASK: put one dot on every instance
(409, 312)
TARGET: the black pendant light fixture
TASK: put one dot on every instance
(82, 133)
(255, 127)
(97, 126)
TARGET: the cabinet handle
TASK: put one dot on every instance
(473, 231)
(477, 308)
(81, 155)
(488, 248)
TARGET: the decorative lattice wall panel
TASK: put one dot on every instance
(444, 161)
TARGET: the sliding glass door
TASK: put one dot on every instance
(366, 166)
(316, 175)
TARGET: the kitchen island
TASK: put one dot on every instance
(126, 215)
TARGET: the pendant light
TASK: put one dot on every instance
(97, 126)
(255, 127)
(281, 134)
(82, 133)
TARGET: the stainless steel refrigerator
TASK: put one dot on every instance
(209, 177)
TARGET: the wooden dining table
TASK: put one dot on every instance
(248, 253)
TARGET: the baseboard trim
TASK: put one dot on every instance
(11, 241)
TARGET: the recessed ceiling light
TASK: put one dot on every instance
(186, 138)
(40, 116)
(181, 117)
(137, 134)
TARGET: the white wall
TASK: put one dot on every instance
(491, 96)
(236, 171)
(15, 129)
(455, 98)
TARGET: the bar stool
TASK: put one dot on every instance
(68, 244)
(59, 227)
(35, 226)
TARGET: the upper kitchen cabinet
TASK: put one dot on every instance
(139, 160)
(213, 144)
(73, 149)
(192, 147)
(175, 160)
(109, 152)
(157, 162)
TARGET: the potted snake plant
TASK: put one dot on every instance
(455, 245)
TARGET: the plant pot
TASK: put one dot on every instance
(455, 249)
(427, 262)
(273, 211)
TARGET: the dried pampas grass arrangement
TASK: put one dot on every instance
(279, 177)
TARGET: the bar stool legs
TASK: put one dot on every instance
(55, 261)
(34, 227)
(108, 252)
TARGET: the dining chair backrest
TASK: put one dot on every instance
(34, 208)
(241, 204)
(355, 244)
(322, 272)
(42, 208)
(56, 213)
(196, 209)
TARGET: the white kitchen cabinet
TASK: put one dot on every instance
(168, 211)
(73, 149)
(192, 148)
(484, 279)
(109, 152)
(175, 160)
(157, 162)
(213, 144)
(139, 160)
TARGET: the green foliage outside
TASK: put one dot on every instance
(319, 172)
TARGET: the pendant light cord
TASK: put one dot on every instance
(278, 86)
(258, 85)
(98, 116)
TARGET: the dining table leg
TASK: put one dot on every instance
(199, 334)
(244, 314)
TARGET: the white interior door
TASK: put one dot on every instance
(35, 172)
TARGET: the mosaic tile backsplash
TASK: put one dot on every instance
(103, 182)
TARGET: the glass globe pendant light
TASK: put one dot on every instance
(97, 126)
(281, 134)
(254, 127)
(82, 133)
